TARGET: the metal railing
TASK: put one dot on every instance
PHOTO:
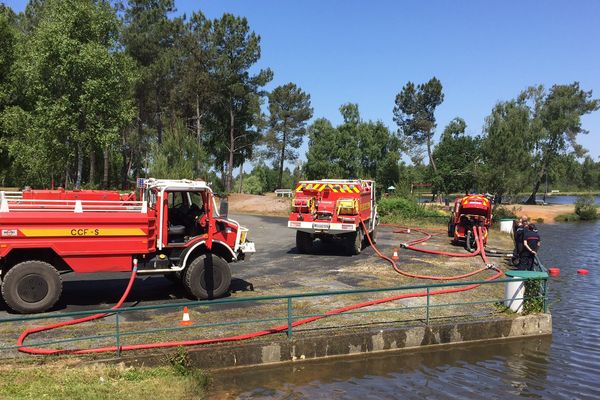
(287, 301)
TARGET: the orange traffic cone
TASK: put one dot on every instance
(395, 256)
(185, 321)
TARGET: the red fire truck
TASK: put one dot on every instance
(174, 230)
(333, 208)
(469, 211)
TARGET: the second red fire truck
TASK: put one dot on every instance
(330, 209)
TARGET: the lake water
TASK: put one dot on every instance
(563, 366)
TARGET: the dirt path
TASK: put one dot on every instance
(267, 204)
(547, 213)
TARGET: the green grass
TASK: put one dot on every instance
(101, 381)
(567, 218)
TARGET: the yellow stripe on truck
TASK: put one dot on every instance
(69, 232)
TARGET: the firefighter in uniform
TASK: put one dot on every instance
(519, 227)
(531, 245)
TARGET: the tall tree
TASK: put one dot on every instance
(179, 156)
(506, 148)
(235, 117)
(8, 38)
(289, 109)
(559, 115)
(354, 149)
(74, 88)
(458, 156)
(323, 158)
(150, 38)
(414, 113)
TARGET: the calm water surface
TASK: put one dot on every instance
(564, 366)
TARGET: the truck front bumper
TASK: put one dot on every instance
(246, 249)
(322, 227)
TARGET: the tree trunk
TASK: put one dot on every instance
(79, 166)
(536, 186)
(92, 167)
(231, 152)
(431, 160)
(198, 126)
(159, 127)
(241, 177)
(283, 144)
(105, 176)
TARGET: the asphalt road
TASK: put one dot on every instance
(276, 264)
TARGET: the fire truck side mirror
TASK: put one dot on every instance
(224, 207)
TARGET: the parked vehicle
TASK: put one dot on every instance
(334, 208)
(174, 230)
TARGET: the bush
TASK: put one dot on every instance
(502, 212)
(403, 207)
(585, 207)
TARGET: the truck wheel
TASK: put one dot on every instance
(354, 242)
(31, 287)
(450, 230)
(304, 242)
(373, 235)
(207, 277)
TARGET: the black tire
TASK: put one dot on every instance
(354, 241)
(373, 236)
(451, 228)
(31, 287)
(207, 277)
(304, 242)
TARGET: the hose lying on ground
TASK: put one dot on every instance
(281, 328)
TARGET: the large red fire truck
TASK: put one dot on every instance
(333, 208)
(470, 211)
(174, 230)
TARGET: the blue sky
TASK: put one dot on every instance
(365, 51)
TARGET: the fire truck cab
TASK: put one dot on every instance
(334, 208)
(175, 230)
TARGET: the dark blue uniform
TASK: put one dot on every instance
(532, 237)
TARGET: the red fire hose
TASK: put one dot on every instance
(281, 328)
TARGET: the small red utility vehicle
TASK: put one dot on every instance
(470, 211)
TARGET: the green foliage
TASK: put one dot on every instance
(506, 149)
(414, 112)
(404, 208)
(179, 155)
(355, 149)
(567, 218)
(534, 300)
(73, 89)
(458, 158)
(289, 109)
(557, 118)
(502, 212)
(234, 119)
(585, 208)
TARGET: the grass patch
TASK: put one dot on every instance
(101, 381)
(407, 211)
(567, 218)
